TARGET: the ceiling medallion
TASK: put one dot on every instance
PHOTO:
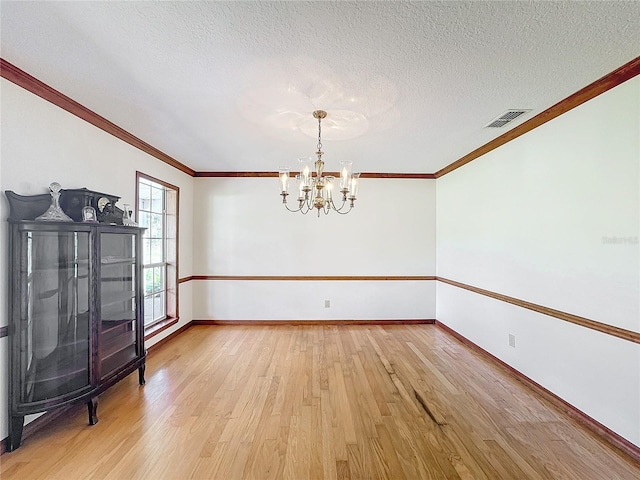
(316, 191)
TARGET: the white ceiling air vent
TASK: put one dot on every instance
(506, 117)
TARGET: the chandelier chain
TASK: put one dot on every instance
(319, 133)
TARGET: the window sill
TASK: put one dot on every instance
(159, 327)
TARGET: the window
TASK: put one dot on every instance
(157, 211)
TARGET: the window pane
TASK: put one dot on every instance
(146, 251)
(155, 230)
(148, 281)
(157, 200)
(143, 221)
(157, 253)
(148, 309)
(158, 279)
(144, 194)
(158, 306)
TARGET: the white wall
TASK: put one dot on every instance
(537, 219)
(42, 143)
(389, 233)
(527, 220)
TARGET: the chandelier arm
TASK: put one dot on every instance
(343, 213)
(339, 210)
(303, 203)
(305, 207)
(287, 207)
(344, 202)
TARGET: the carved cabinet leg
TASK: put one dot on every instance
(141, 374)
(92, 407)
(15, 433)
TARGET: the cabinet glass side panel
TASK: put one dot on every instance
(118, 301)
(54, 337)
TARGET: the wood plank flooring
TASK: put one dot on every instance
(347, 402)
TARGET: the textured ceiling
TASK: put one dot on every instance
(230, 86)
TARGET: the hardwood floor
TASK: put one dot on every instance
(318, 402)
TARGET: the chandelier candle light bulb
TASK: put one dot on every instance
(317, 191)
(305, 170)
(329, 188)
(354, 185)
(284, 178)
(345, 175)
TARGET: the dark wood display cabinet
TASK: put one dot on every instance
(75, 314)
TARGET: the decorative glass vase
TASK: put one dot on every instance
(55, 212)
(127, 221)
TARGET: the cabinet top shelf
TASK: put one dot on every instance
(45, 225)
(71, 201)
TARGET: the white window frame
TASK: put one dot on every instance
(168, 263)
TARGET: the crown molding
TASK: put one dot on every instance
(609, 81)
(620, 75)
(15, 75)
(21, 78)
(417, 176)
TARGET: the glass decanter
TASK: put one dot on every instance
(55, 212)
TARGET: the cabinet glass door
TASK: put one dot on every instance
(118, 281)
(54, 352)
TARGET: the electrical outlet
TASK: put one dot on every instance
(327, 304)
(512, 341)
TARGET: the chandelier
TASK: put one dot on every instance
(316, 191)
